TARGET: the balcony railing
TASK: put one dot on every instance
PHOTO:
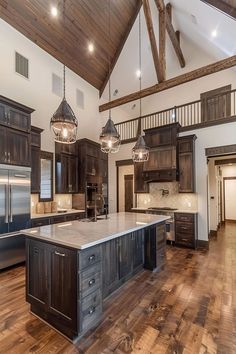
(216, 109)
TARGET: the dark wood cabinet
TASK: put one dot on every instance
(137, 249)
(186, 229)
(110, 266)
(140, 185)
(15, 122)
(125, 256)
(186, 158)
(155, 247)
(37, 222)
(162, 136)
(66, 169)
(163, 158)
(36, 285)
(35, 141)
(62, 294)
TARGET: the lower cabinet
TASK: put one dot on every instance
(186, 233)
(56, 219)
(121, 258)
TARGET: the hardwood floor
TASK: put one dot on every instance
(190, 307)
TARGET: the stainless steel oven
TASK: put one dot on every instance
(170, 224)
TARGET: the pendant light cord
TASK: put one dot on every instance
(140, 76)
(64, 67)
(109, 56)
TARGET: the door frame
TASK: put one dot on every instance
(225, 179)
(120, 163)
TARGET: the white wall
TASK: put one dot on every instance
(37, 91)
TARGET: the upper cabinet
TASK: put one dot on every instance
(15, 123)
(186, 151)
(93, 164)
(162, 136)
(66, 169)
(35, 159)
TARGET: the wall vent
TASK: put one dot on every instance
(56, 85)
(21, 65)
(80, 98)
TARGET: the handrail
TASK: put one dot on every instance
(188, 114)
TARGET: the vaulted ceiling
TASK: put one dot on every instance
(85, 21)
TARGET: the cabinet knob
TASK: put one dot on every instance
(91, 310)
(91, 258)
(91, 282)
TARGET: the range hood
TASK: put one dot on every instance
(169, 175)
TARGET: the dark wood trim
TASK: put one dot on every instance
(222, 6)
(152, 39)
(209, 124)
(220, 150)
(226, 179)
(225, 162)
(124, 162)
(17, 105)
(202, 245)
(173, 82)
(120, 48)
(212, 234)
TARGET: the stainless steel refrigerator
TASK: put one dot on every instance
(14, 212)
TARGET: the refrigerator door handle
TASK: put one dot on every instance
(10, 204)
(6, 205)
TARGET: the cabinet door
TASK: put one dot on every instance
(140, 186)
(3, 145)
(35, 169)
(125, 255)
(186, 174)
(92, 166)
(150, 248)
(62, 301)
(72, 165)
(18, 146)
(103, 170)
(36, 275)
(110, 265)
(19, 120)
(137, 248)
(3, 114)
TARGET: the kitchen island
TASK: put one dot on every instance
(73, 267)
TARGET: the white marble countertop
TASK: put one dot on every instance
(81, 235)
(190, 211)
(48, 215)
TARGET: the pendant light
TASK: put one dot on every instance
(140, 152)
(109, 137)
(64, 122)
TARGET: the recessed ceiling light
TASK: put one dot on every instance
(91, 47)
(214, 33)
(138, 73)
(54, 11)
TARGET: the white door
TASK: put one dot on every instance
(230, 199)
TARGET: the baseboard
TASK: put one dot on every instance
(212, 234)
(202, 245)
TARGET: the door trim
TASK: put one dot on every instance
(225, 179)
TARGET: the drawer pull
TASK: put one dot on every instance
(185, 239)
(91, 258)
(91, 310)
(91, 282)
(60, 254)
(184, 228)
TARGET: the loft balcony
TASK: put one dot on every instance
(210, 110)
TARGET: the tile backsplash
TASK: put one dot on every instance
(184, 201)
(64, 201)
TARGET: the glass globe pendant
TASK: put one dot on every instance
(140, 152)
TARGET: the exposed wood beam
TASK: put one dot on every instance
(223, 7)
(175, 81)
(121, 46)
(162, 36)
(148, 18)
(174, 37)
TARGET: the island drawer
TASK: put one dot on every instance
(91, 310)
(90, 280)
(184, 217)
(89, 257)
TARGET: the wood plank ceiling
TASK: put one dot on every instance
(85, 21)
